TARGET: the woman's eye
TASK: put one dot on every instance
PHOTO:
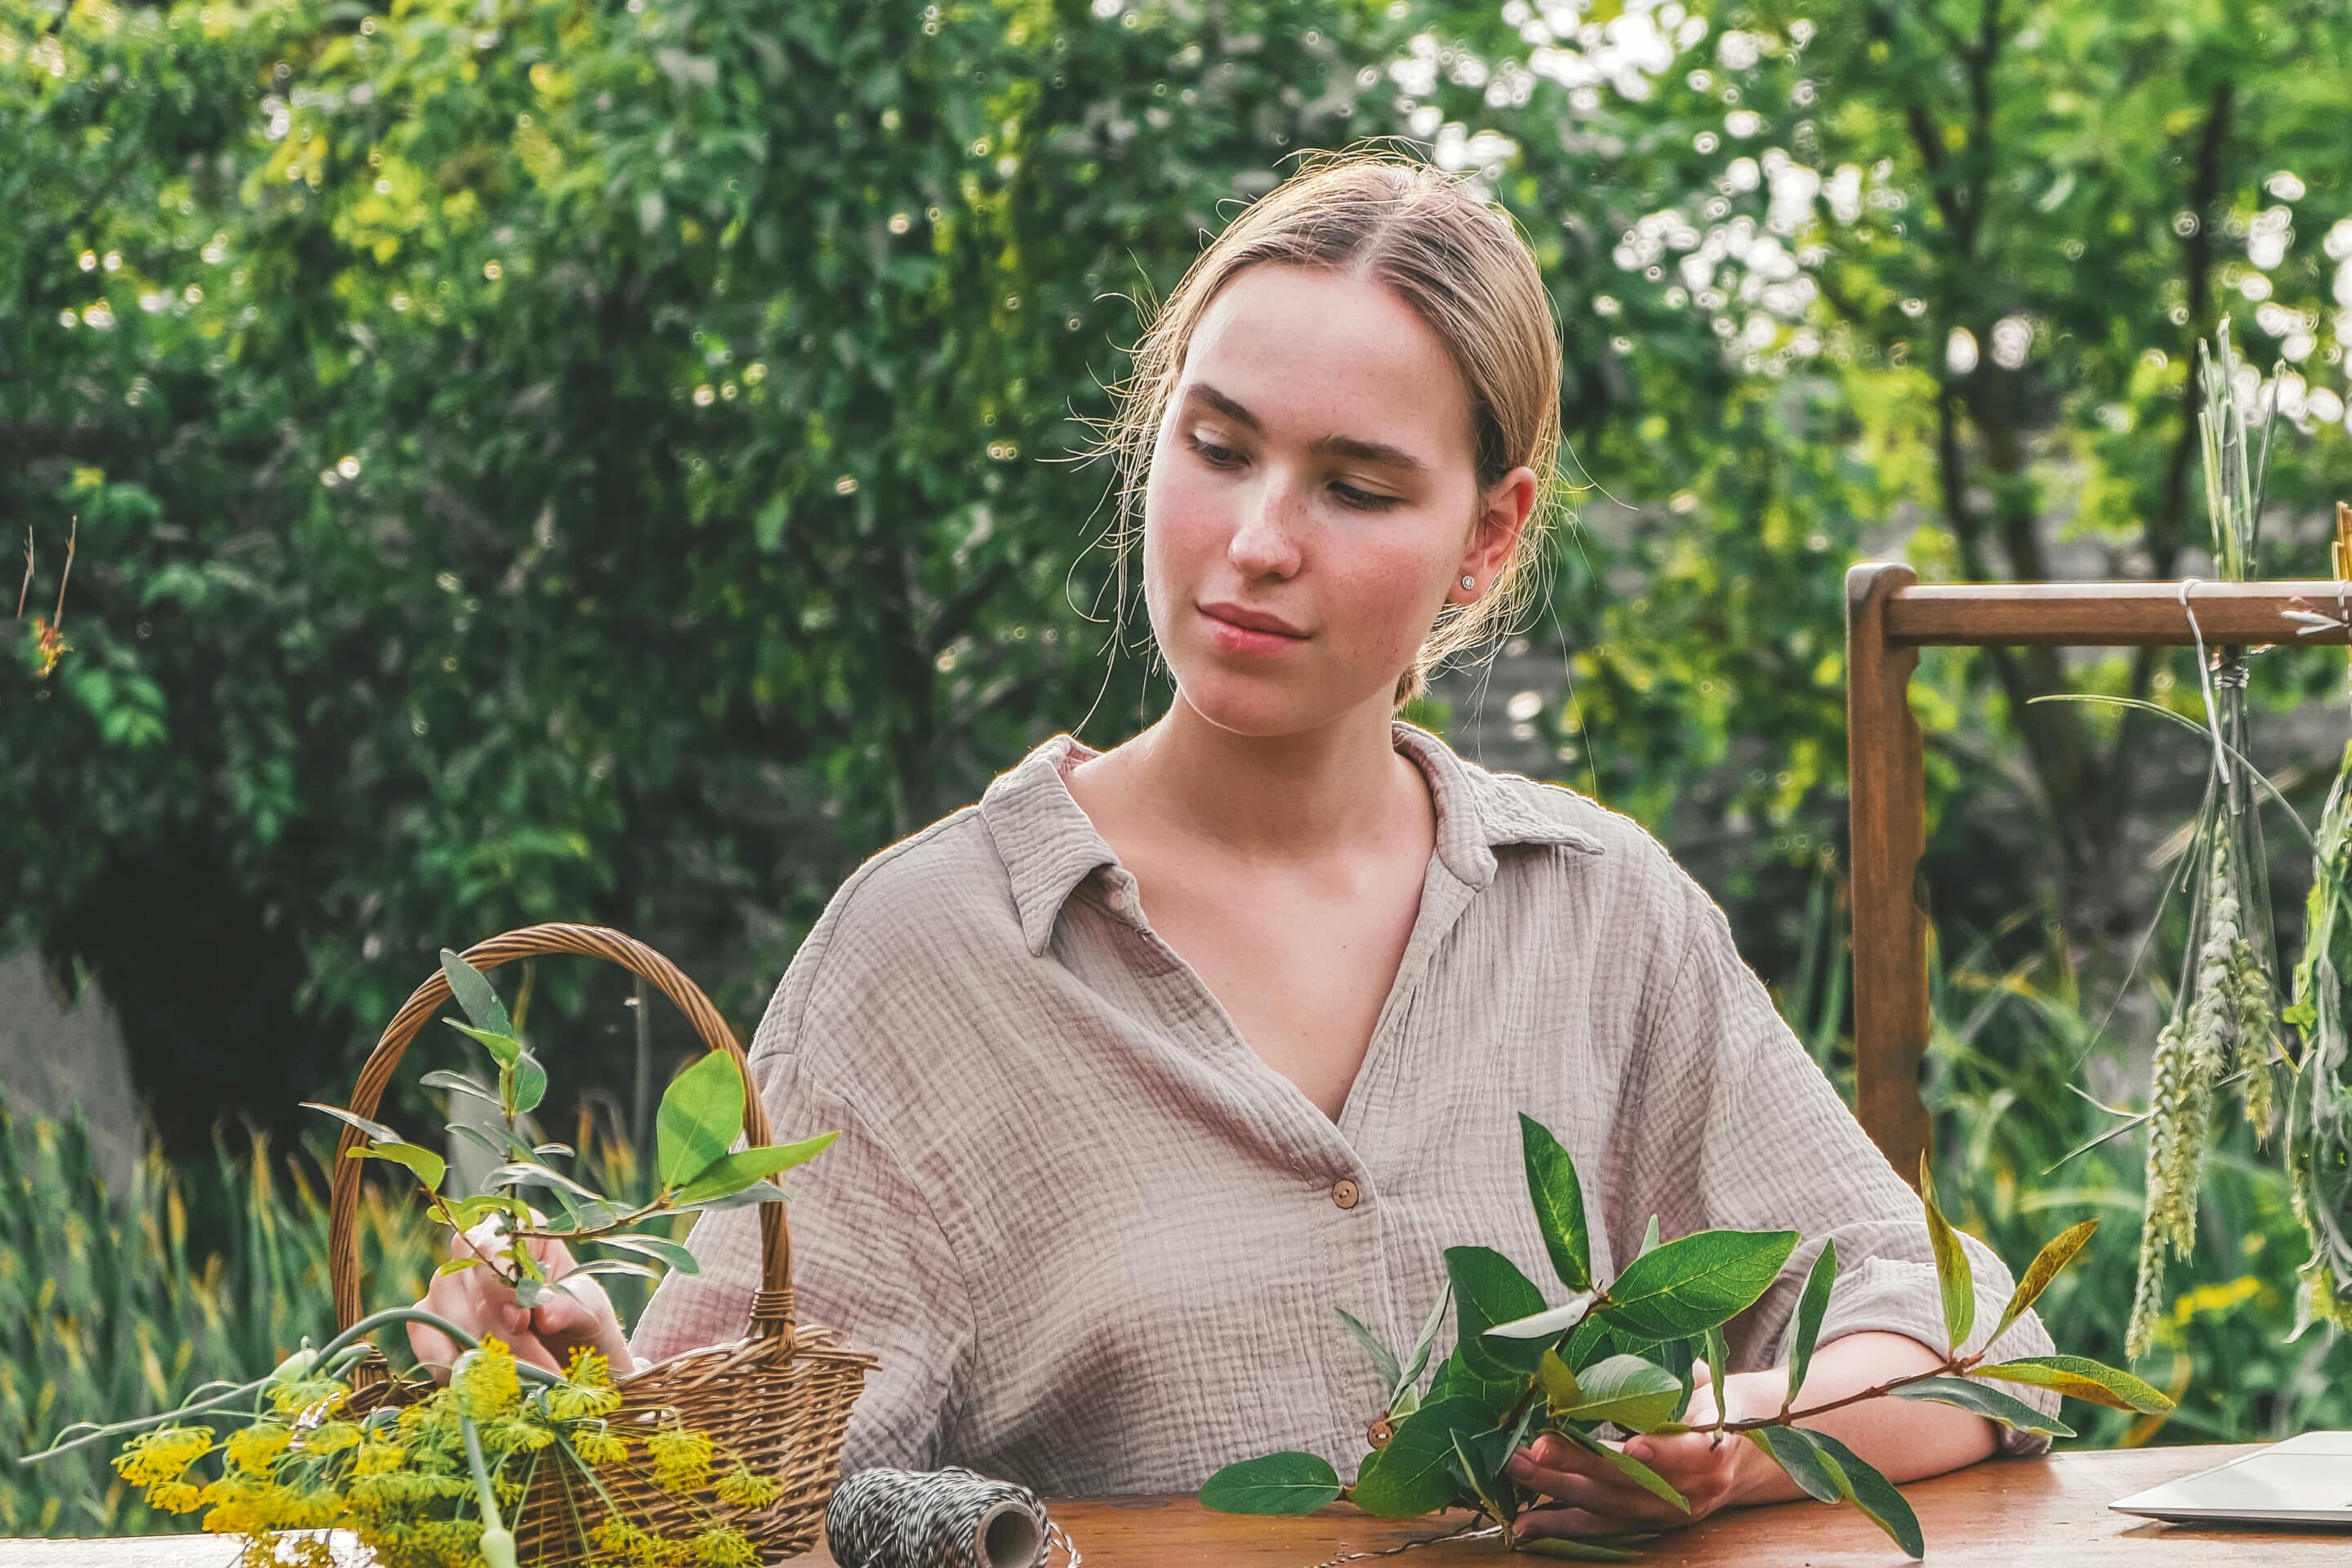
(1364, 500)
(1216, 456)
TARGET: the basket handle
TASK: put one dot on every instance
(771, 1305)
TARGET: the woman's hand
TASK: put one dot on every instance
(1604, 1501)
(482, 1301)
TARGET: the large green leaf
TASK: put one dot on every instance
(1810, 1305)
(1637, 1395)
(1289, 1483)
(733, 1173)
(2047, 1263)
(1494, 1390)
(1794, 1451)
(1694, 1283)
(1632, 1468)
(1414, 1474)
(1559, 1199)
(701, 1115)
(1488, 1288)
(472, 992)
(1989, 1402)
(1875, 1495)
(1954, 1278)
(2078, 1377)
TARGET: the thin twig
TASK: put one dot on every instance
(58, 620)
(24, 591)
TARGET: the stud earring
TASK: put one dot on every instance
(1470, 583)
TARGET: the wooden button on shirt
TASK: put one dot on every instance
(1063, 1205)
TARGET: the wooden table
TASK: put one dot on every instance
(2008, 1513)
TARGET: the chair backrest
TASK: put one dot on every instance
(1890, 616)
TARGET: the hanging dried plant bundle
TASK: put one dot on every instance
(2319, 1102)
(2224, 1019)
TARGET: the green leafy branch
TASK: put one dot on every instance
(1623, 1352)
(700, 1119)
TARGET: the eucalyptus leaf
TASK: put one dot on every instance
(1953, 1275)
(534, 1293)
(1810, 1305)
(1875, 1495)
(620, 1266)
(1636, 1394)
(529, 1084)
(1421, 1349)
(733, 1173)
(1549, 1325)
(457, 1265)
(459, 1083)
(1649, 1237)
(1384, 1360)
(1559, 1382)
(1633, 1470)
(474, 993)
(1559, 1199)
(2079, 1377)
(2046, 1267)
(496, 1148)
(531, 1173)
(678, 1258)
(504, 1049)
(757, 1193)
(1794, 1449)
(1488, 1288)
(1718, 1353)
(1414, 1474)
(375, 1129)
(1284, 1483)
(428, 1166)
(1692, 1284)
(1987, 1401)
(701, 1113)
(1480, 1478)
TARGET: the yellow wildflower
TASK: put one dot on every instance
(174, 1497)
(723, 1547)
(487, 1381)
(746, 1489)
(601, 1448)
(161, 1454)
(681, 1460)
(376, 1459)
(255, 1449)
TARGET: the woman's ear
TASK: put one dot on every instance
(1505, 506)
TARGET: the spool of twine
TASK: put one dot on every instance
(939, 1519)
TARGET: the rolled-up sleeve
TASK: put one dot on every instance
(869, 1259)
(1738, 1129)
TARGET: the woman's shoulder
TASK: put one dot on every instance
(931, 910)
(1623, 863)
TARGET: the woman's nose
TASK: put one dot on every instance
(1266, 539)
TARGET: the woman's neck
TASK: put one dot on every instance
(1304, 798)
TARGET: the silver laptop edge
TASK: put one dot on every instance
(2306, 1481)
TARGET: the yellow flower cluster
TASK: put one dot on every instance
(400, 1477)
(681, 1460)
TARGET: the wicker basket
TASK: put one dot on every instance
(780, 1397)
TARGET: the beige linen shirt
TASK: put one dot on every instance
(1099, 1244)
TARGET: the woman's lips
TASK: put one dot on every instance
(1243, 639)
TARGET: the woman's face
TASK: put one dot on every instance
(1315, 464)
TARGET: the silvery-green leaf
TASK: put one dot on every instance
(474, 994)
(1550, 1324)
(1384, 1360)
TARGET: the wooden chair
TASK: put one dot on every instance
(1890, 615)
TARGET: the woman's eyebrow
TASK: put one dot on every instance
(1322, 447)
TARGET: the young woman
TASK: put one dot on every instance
(1153, 1057)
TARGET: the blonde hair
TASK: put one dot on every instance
(1457, 261)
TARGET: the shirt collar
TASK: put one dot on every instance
(1050, 845)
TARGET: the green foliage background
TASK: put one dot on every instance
(607, 459)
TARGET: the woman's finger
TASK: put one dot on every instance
(1621, 1507)
(1586, 1479)
(1544, 1521)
